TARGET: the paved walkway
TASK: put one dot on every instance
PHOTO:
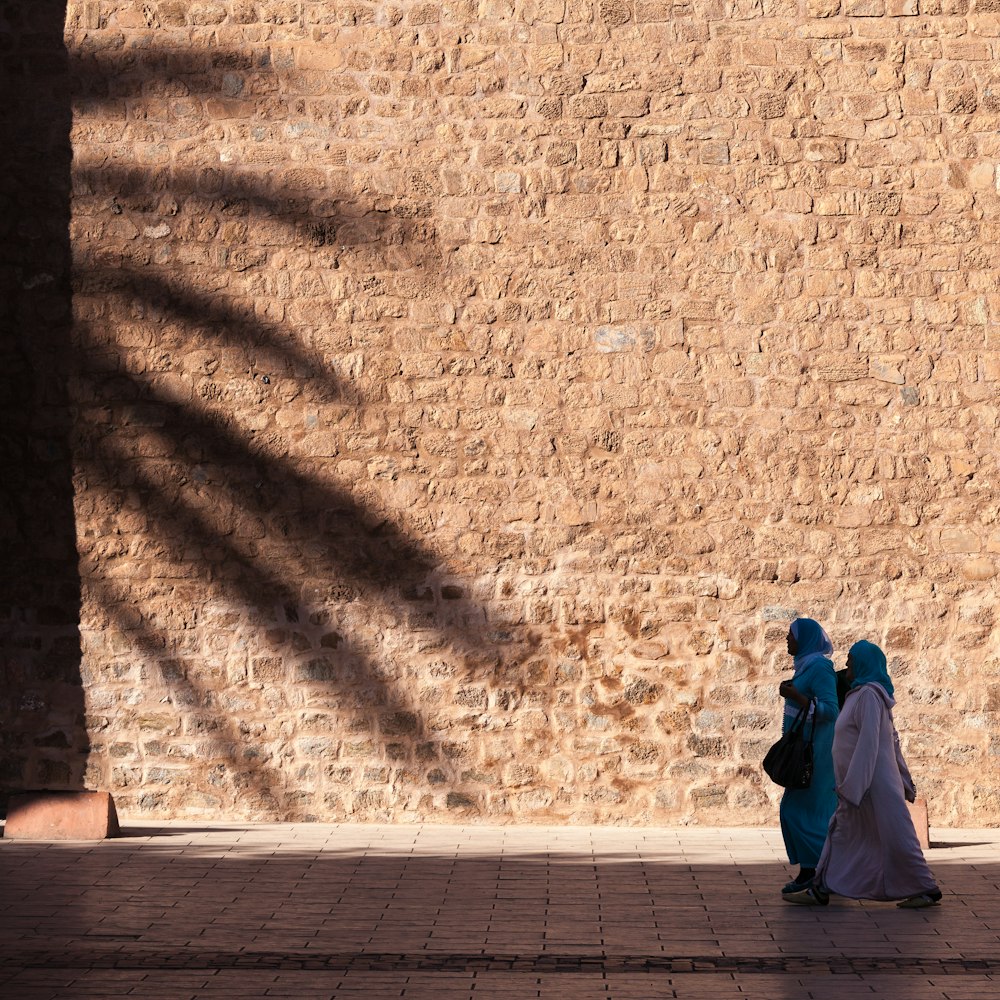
(464, 913)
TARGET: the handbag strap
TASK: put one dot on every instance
(812, 731)
(799, 721)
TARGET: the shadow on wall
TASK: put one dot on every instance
(179, 382)
(43, 737)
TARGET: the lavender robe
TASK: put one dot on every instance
(871, 849)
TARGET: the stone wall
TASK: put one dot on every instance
(468, 395)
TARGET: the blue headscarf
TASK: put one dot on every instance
(811, 638)
(869, 666)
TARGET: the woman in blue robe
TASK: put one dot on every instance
(805, 812)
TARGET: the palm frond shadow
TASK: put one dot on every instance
(206, 463)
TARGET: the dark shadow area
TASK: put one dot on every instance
(945, 844)
(643, 926)
(173, 830)
(43, 739)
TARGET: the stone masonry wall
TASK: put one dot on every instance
(468, 394)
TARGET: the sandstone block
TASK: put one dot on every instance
(610, 340)
(959, 540)
(615, 13)
(886, 371)
(61, 816)
(979, 569)
(319, 57)
(653, 10)
(842, 369)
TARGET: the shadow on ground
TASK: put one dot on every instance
(316, 912)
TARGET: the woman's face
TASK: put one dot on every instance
(850, 669)
(793, 646)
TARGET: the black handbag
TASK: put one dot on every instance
(789, 762)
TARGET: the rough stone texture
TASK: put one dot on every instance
(61, 816)
(467, 396)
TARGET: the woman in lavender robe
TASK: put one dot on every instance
(805, 812)
(871, 849)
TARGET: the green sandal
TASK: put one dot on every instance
(920, 900)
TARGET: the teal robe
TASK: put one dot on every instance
(805, 812)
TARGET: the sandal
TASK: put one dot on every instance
(812, 895)
(919, 900)
(799, 882)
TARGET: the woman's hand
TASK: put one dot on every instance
(788, 690)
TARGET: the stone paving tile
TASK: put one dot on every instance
(352, 911)
(509, 985)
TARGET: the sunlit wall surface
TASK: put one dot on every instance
(466, 396)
